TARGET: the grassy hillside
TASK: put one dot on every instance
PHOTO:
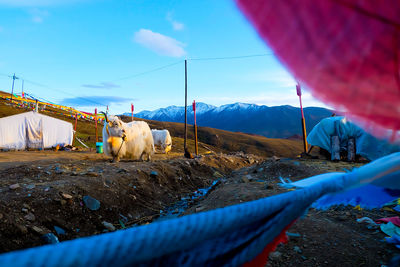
(232, 141)
(209, 138)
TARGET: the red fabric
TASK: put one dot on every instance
(346, 52)
(262, 258)
(394, 220)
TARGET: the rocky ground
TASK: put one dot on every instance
(76, 194)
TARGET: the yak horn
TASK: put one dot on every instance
(105, 115)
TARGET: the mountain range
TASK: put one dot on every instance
(273, 122)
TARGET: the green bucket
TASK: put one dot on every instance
(99, 147)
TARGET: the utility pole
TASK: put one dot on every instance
(12, 89)
(184, 143)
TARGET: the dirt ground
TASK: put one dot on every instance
(44, 191)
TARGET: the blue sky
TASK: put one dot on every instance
(69, 51)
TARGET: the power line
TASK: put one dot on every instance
(232, 57)
(149, 71)
(142, 73)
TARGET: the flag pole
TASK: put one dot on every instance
(95, 118)
(195, 129)
(303, 120)
(132, 109)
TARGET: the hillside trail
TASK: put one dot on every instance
(43, 192)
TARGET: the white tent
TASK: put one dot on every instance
(34, 130)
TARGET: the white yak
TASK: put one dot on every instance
(162, 139)
(131, 140)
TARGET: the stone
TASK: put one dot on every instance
(22, 229)
(26, 206)
(153, 174)
(92, 174)
(66, 196)
(24, 210)
(30, 186)
(276, 255)
(122, 170)
(245, 179)
(109, 226)
(217, 174)
(249, 177)
(58, 170)
(293, 235)
(297, 249)
(30, 217)
(14, 186)
(50, 238)
(275, 158)
(91, 203)
(38, 230)
(201, 208)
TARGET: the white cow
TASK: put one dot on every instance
(131, 140)
(162, 139)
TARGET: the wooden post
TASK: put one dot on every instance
(184, 143)
(303, 121)
(95, 118)
(195, 129)
(335, 144)
(351, 149)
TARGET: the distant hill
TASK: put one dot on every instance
(272, 122)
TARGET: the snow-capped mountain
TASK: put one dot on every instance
(274, 122)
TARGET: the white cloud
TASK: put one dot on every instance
(38, 15)
(35, 3)
(161, 44)
(177, 26)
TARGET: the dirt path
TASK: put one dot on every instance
(14, 158)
